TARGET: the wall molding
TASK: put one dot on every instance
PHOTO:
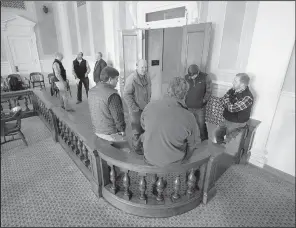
(5, 68)
(288, 94)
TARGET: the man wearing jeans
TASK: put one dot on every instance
(200, 89)
(237, 102)
(137, 94)
(80, 71)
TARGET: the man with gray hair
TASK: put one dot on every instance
(137, 94)
(171, 132)
(237, 102)
(60, 73)
(100, 64)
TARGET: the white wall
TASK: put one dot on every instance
(281, 141)
(271, 48)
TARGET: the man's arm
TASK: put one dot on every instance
(116, 110)
(73, 71)
(209, 86)
(88, 69)
(239, 105)
(128, 95)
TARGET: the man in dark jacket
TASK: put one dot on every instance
(200, 89)
(171, 132)
(106, 108)
(100, 64)
(80, 71)
(237, 102)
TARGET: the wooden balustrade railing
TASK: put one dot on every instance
(133, 186)
(124, 179)
(21, 98)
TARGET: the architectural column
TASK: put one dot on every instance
(271, 48)
(65, 38)
(109, 18)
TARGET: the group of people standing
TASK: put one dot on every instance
(168, 130)
(80, 70)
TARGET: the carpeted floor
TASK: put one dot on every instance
(41, 186)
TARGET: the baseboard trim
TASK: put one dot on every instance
(280, 174)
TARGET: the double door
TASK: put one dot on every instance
(168, 51)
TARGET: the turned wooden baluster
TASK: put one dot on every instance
(60, 127)
(9, 104)
(177, 185)
(86, 161)
(142, 188)
(77, 146)
(73, 142)
(62, 130)
(160, 189)
(26, 104)
(191, 182)
(126, 185)
(113, 187)
(81, 155)
(66, 133)
(154, 180)
(69, 137)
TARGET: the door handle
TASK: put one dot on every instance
(16, 69)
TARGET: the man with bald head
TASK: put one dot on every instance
(60, 73)
(137, 94)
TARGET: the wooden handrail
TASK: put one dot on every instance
(135, 162)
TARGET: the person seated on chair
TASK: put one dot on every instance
(15, 84)
(4, 86)
(80, 71)
(171, 131)
(60, 73)
(106, 108)
(237, 102)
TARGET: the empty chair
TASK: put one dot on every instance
(11, 125)
(37, 80)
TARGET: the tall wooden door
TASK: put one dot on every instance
(195, 48)
(131, 43)
(24, 54)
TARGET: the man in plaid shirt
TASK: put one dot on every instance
(237, 103)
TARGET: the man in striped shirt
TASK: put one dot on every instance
(237, 102)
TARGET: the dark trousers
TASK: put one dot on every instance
(137, 130)
(85, 82)
(199, 115)
(228, 129)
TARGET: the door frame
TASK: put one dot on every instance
(17, 26)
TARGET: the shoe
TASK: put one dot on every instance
(62, 107)
(70, 110)
(78, 102)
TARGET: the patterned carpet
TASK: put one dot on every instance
(41, 186)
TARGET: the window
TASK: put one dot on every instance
(166, 14)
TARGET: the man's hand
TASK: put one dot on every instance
(122, 134)
(86, 75)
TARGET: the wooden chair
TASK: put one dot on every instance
(37, 80)
(9, 128)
